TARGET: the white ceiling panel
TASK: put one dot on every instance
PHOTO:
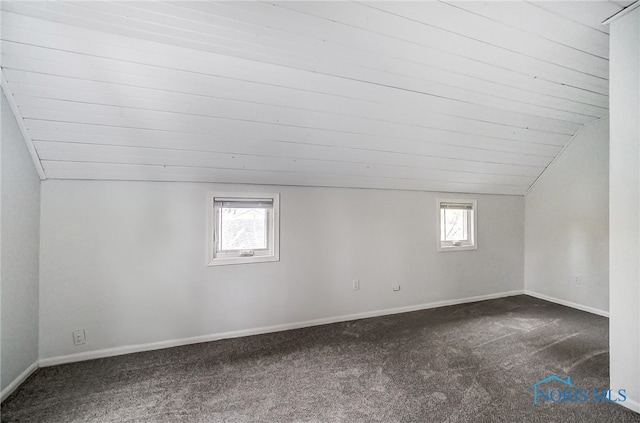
(472, 97)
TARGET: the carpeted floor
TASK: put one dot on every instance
(466, 363)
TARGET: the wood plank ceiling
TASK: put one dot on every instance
(463, 97)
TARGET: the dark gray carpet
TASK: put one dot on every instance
(466, 363)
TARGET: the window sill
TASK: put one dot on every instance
(242, 260)
(457, 248)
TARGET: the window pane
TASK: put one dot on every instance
(243, 229)
(454, 225)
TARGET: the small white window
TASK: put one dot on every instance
(457, 228)
(244, 228)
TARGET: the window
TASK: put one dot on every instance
(244, 228)
(457, 228)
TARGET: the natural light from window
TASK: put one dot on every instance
(457, 224)
(453, 225)
(242, 229)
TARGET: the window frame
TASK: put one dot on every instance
(472, 220)
(227, 257)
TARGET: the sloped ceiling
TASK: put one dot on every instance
(464, 97)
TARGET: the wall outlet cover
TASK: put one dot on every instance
(79, 337)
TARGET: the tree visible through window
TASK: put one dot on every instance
(457, 225)
(454, 225)
(244, 228)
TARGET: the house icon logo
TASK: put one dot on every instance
(536, 386)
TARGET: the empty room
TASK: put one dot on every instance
(325, 211)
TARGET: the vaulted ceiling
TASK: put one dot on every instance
(472, 97)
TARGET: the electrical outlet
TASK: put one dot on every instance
(395, 287)
(356, 284)
(79, 337)
(578, 280)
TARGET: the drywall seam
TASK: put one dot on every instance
(109, 352)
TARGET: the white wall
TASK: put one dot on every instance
(126, 260)
(20, 238)
(567, 224)
(624, 207)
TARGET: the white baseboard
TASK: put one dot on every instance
(631, 405)
(17, 381)
(110, 352)
(567, 303)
